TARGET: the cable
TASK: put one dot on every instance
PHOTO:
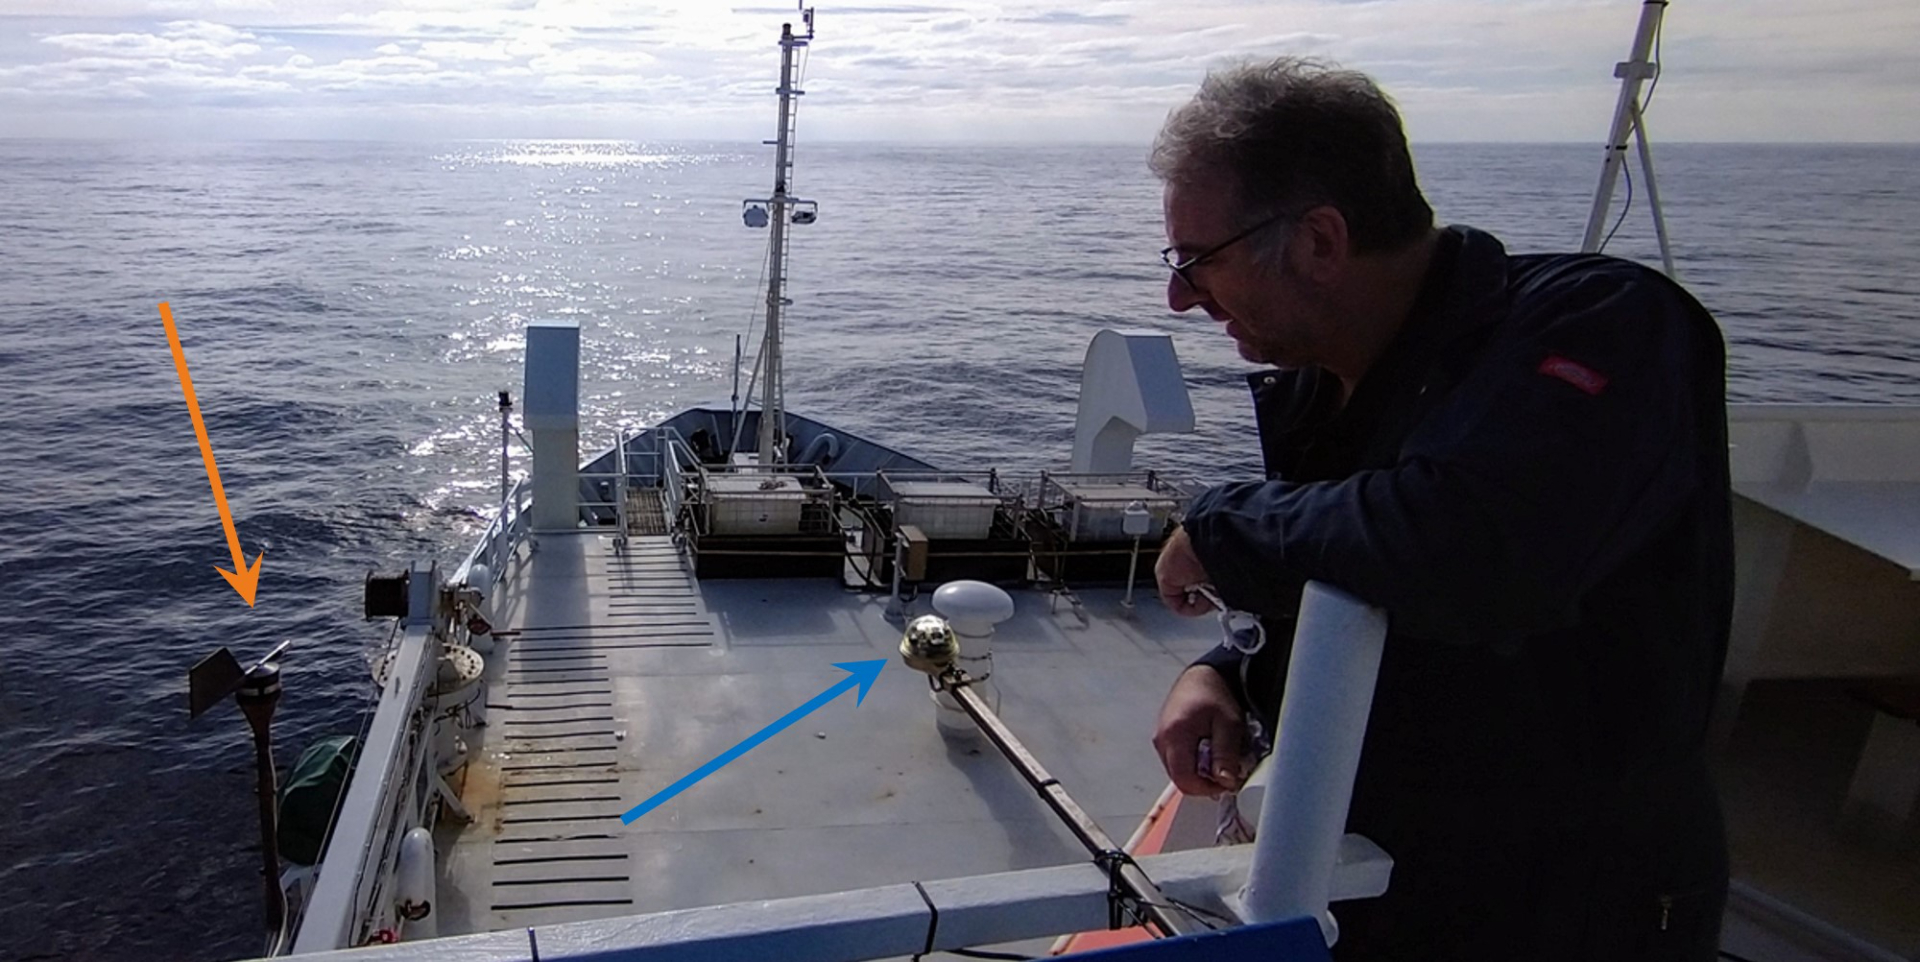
(866, 577)
(1201, 915)
(753, 379)
(1626, 170)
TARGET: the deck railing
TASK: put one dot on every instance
(502, 536)
(654, 468)
(389, 794)
(591, 510)
(673, 474)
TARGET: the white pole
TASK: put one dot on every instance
(1653, 190)
(1632, 73)
(1337, 644)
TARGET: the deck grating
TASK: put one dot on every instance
(558, 686)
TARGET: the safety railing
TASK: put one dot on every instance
(502, 536)
(674, 459)
(612, 487)
(389, 794)
(647, 468)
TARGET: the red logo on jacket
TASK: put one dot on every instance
(1575, 373)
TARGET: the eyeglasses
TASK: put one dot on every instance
(1181, 267)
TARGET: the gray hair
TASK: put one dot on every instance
(1292, 134)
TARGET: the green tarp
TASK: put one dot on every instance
(310, 795)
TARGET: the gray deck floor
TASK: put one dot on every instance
(626, 674)
(618, 673)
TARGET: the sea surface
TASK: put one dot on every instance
(350, 309)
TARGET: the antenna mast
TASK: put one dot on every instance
(778, 211)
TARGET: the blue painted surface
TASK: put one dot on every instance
(861, 673)
(1293, 940)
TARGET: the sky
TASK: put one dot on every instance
(945, 70)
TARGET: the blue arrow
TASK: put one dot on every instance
(861, 673)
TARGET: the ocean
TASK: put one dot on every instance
(349, 310)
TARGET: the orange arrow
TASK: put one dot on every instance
(243, 579)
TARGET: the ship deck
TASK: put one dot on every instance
(617, 673)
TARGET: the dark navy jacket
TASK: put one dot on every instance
(1532, 482)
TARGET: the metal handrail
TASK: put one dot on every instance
(388, 795)
(501, 537)
(674, 493)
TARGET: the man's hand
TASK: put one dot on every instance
(1177, 570)
(1201, 706)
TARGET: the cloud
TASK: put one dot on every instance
(180, 40)
(1462, 69)
(1068, 16)
(466, 50)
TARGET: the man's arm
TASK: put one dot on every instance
(1559, 455)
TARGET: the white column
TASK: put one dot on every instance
(1323, 720)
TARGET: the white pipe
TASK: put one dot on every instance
(1323, 720)
(1632, 74)
(1645, 142)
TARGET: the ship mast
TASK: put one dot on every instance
(778, 211)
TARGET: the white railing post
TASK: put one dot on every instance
(503, 533)
(1323, 720)
(620, 488)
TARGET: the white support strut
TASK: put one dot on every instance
(1633, 73)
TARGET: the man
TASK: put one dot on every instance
(1522, 460)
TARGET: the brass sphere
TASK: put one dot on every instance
(930, 645)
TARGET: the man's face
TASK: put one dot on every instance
(1259, 299)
